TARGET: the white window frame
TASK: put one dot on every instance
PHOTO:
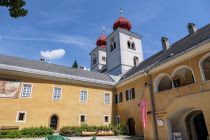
(108, 119)
(130, 94)
(56, 99)
(80, 118)
(22, 90)
(17, 116)
(105, 98)
(81, 101)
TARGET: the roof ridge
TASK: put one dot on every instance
(51, 64)
(181, 45)
(185, 37)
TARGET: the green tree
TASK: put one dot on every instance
(15, 7)
(75, 65)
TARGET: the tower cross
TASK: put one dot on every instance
(121, 11)
(103, 29)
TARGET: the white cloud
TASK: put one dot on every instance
(53, 54)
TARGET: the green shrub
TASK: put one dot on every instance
(26, 132)
(36, 131)
(10, 134)
(119, 129)
(69, 131)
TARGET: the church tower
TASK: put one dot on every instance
(98, 55)
(124, 48)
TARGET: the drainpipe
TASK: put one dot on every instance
(152, 102)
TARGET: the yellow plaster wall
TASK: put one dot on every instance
(130, 109)
(191, 96)
(40, 106)
(166, 102)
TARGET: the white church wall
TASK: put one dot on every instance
(113, 57)
(128, 54)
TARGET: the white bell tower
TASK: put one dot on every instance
(98, 55)
(124, 48)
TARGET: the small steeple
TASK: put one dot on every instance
(101, 41)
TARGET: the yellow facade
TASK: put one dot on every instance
(40, 107)
(172, 106)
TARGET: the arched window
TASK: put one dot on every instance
(135, 61)
(54, 122)
(129, 44)
(205, 67)
(162, 82)
(94, 60)
(182, 76)
(133, 46)
(112, 46)
(196, 125)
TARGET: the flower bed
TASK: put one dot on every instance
(85, 130)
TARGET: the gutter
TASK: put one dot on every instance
(54, 74)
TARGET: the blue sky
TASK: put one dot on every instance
(71, 27)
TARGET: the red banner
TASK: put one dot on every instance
(143, 110)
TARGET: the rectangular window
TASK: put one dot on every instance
(83, 95)
(118, 98)
(57, 93)
(26, 90)
(117, 119)
(106, 119)
(107, 98)
(82, 118)
(21, 116)
(130, 94)
(104, 58)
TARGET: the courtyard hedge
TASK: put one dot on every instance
(85, 130)
(27, 132)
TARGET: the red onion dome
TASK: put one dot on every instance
(101, 41)
(122, 23)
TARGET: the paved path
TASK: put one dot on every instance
(88, 138)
